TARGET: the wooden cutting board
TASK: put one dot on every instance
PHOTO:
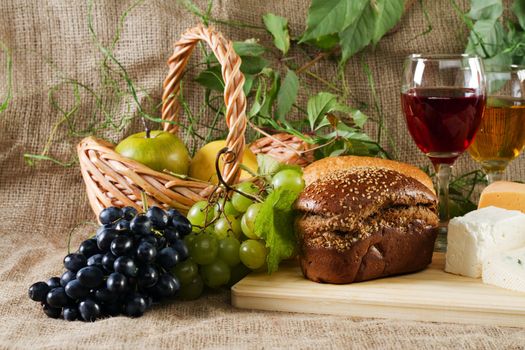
(429, 295)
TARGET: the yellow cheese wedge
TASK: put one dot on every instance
(504, 194)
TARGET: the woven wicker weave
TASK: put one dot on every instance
(113, 180)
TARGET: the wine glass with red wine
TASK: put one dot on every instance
(443, 97)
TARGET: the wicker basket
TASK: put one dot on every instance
(113, 180)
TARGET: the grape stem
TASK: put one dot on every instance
(223, 151)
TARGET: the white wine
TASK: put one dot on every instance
(501, 136)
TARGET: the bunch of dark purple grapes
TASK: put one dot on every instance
(124, 269)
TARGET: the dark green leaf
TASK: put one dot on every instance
(485, 9)
(275, 224)
(248, 82)
(320, 105)
(388, 13)
(518, 8)
(211, 78)
(248, 48)
(287, 95)
(278, 27)
(253, 64)
(327, 17)
(271, 95)
(325, 42)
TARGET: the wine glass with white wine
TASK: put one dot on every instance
(501, 136)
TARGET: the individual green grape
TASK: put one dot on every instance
(237, 273)
(199, 214)
(185, 271)
(253, 253)
(248, 220)
(288, 179)
(226, 207)
(189, 240)
(192, 290)
(229, 251)
(205, 249)
(227, 226)
(240, 202)
(215, 274)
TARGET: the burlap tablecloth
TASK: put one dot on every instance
(40, 205)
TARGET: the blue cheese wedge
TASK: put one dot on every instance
(478, 235)
(506, 270)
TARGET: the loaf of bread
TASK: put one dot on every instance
(322, 167)
(365, 223)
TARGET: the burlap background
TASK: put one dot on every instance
(39, 206)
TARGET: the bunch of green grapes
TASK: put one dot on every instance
(224, 246)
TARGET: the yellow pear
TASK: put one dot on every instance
(202, 166)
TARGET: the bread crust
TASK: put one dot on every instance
(320, 168)
(365, 223)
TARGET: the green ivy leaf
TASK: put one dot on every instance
(485, 9)
(275, 224)
(327, 17)
(253, 64)
(211, 78)
(376, 18)
(287, 95)
(518, 8)
(278, 27)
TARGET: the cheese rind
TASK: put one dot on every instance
(506, 270)
(504, 194)
(472, 238)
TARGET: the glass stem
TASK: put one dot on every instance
(443, 179)
(494, 176)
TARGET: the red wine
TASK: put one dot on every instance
(443, 121)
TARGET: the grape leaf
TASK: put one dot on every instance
(287, 94)
(376, 18)
(275, 224)
(485, 9)
(278, 27)
(331, 16)
(518, 8)
(320, 105)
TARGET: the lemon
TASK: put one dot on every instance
(202, 166)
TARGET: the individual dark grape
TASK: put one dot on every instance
(192, 290)
(147, 276)
(141, 225)
(182, 249)
(57, 297)
(149, 301)
(108, 260)
(135, 306)
(89, 310)
(90, 276)
(70, 313)
(167, 285)
(89, 248)
(105, 238)
(104, 295)
(110, 215)
(161, 242)
(159, 219)
(66, 277)
(168, 258)
(53, 282)
(50, 311)
(146, 252)
(151, 239)
(122, 225)
(75, 290)
(117, 283)
(171, 234)
(74, 262)
(95, 260)
(122, 245)
(172, 213)
(182, 225)
(126, 266)
(129, 213)
(38, 291)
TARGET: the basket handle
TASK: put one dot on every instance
(234, 97)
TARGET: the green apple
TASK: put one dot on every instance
(160, 151)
